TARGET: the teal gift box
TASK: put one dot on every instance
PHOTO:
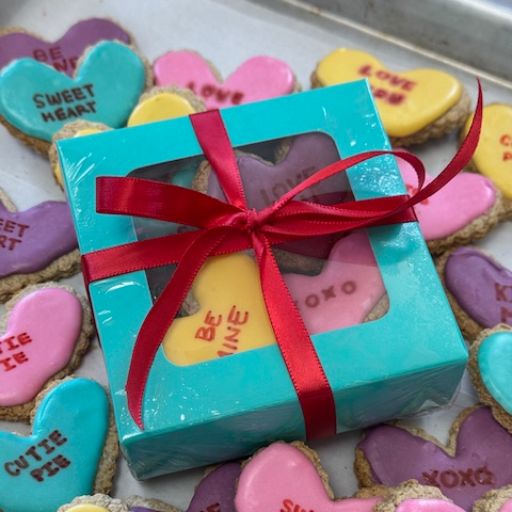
(408, 360)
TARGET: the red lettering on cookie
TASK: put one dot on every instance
(507, 156)
(506, 139)
(503, 292)
(451, 478)
(290, 506)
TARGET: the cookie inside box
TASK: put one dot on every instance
(334, 280)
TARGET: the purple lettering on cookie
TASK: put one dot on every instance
(481, 286)
(216, 491)
(264, 183)
(30, 240)
(481, 460)
(64, 53)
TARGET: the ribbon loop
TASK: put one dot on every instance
(227, 227)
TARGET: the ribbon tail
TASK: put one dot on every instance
(307, 374)
(161, 316)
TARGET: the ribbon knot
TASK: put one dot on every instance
(229, 227)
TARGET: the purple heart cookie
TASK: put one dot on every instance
(481, 287)
(216, 491)
(265, 182)
(476, 460)
(39, 239)
(64, 53)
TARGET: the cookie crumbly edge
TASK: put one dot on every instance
(151, 503)
(23, 412)
(499, 413)
(107, 465)
(99, 500)
(492, 501)
(475, 230)
(43, 146)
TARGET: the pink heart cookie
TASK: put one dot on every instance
(447, 218)
(48, 330)
(256, 79)
(282, 478)
(346, 290)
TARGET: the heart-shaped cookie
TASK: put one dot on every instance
(284, 477)
(232, 317)
(475, 461)
(36, 245)
(63, 458)
(493, 156)
(216, 491)
(479, 289)
(258, 78)
(465, 209)
(491, 370)
(37, 101)
(64, 53)
(46, 332)
(409, 102)
(346, 290)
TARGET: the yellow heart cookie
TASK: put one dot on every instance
(159, 107)
(232, 317)
(493, 156)
(407, 102)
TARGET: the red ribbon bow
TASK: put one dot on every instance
(227, 227)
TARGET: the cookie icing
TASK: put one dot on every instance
(38, 100)
(258, 78)
(479, 465)
(87, 507)
(465, 198)
(265, 182)
(407, 101)
(282, 478)
(216, 491)
(159, 107)
(59, 460)
(232, 317)
(507, 506)
(64, 53)
(495, 366)
(346, 290)
(42, 330)
(481, 286)
(30, 240)
(493, 156)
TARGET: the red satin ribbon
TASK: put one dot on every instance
(227, 227)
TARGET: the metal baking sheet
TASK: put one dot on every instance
(297, 35)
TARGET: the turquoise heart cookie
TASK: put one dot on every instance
(495, 365)
(38, 100)
(59, 461)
